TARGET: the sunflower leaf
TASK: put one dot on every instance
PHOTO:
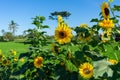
(70, 66)
(101, 68)
(116, 8)
(94, 20)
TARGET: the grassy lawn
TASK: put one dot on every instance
(20, 47)
(17, 46)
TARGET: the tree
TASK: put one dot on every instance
(3, 31)
(13, 27)
(64, 14)
(8, 36)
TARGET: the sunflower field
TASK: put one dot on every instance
(92, 53)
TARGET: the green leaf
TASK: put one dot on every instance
(101, 67)
(70, 66)
(85, 48)
(117, 16)
(116, 8)
(45, 26)
(118, 31)
(94, 20)
(79, 55)
(115, 21)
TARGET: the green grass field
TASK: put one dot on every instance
(20, 47)
(17, 46)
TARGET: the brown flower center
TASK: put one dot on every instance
(62, 34)
(39, 61)
(86, 71)
(106, 11)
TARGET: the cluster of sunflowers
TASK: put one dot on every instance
(106, 23)
(63, 35)
(8, 64)
(83, 56)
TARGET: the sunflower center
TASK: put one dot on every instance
(106, 11)
(86, 71)
(62, 34)
(39, 62)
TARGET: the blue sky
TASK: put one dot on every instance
(22, 12)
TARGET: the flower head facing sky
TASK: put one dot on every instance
(105, 10)
(63, 33)
(5, 62)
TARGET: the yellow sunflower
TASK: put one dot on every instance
(5, 62)
(15, 59)
(84, 37)
(85, 34)
(22, 60)
(84, 25)
(113, 61)
(63, 34)
(105, 10)
(38, 62)
(106, 24)
(14, 52)
(86, 70)
(105, 36)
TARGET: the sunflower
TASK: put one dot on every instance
(113, 61)
(105, 36)
(22, 60)
(5, 62)
(106, 24)
(105, 10)
(84, 35)
(15, 59)
(84, 32)
(55, 48)
(63, 34)
(38, 62)
(84, 25)
(86, 70)
(13, 52)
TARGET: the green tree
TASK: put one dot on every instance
(8, 36)
(3, 31)
(64, 14)
(13, 27)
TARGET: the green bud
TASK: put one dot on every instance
(110, 0)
